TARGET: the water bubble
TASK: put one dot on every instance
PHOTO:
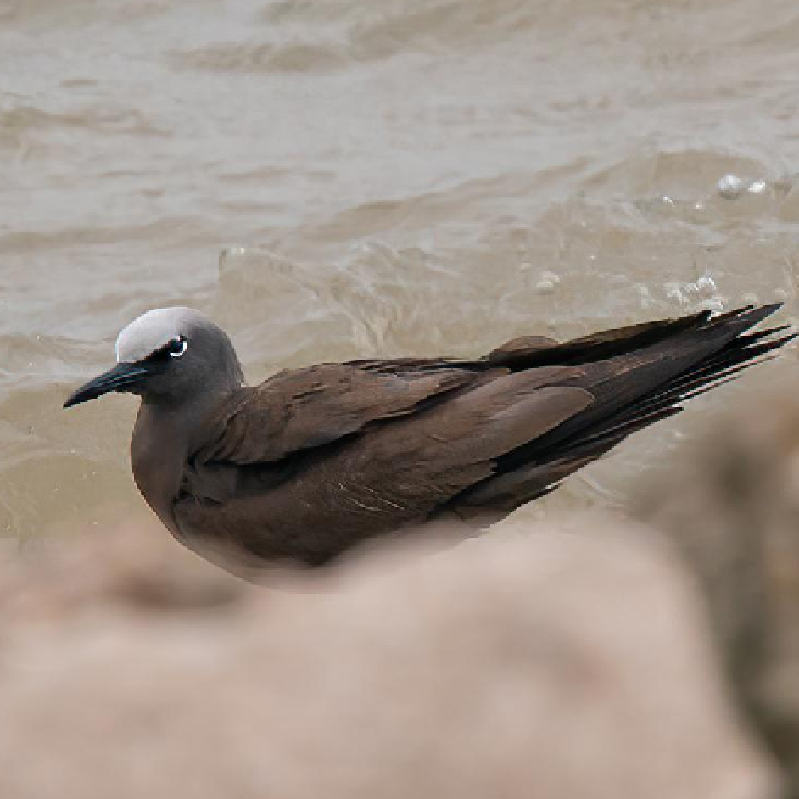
(730, 186)
(714, 305)
(704, 282)
(547, 282)
(231, 252)
(700, 294)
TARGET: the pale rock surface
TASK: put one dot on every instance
(572, 664)
(731, 504)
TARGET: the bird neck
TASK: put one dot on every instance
(157, 450)
(161, 443)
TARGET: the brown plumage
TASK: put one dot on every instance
(315, 460)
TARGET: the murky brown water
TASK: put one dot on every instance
(341, 178)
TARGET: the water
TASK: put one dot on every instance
(341, 179)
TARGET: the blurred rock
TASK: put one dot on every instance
(732, 505)
(521, 665)
(144, 570)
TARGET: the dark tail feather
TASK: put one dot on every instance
(529, 352)
(703, 354)
(740, 352)
(708, 373)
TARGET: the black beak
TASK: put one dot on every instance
(121, 378)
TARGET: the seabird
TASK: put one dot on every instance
(317, 459)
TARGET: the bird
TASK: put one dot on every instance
(316, 460)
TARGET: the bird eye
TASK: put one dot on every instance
(177, 346)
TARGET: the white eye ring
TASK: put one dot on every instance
(181, 344)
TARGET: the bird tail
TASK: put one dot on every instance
(634, 389)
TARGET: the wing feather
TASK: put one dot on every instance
(306, 408)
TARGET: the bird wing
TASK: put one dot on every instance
(306, 408)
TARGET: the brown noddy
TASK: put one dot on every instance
(315, 460)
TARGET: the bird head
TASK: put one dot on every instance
(167, 356)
